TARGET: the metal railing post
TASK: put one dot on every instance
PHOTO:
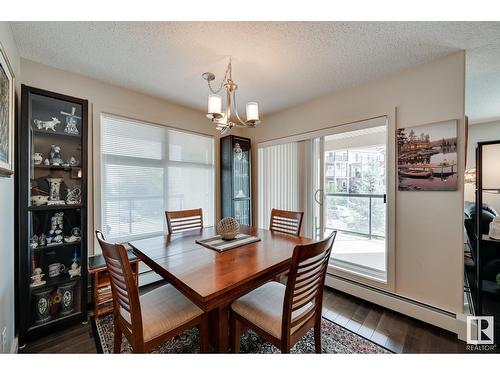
(370, 218)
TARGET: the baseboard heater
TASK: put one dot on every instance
(406, 306)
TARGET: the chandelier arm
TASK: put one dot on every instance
(243, 123)
(229, 70)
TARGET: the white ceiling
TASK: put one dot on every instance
(278, 64)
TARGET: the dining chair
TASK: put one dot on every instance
(283, 314)
(286, 221)
(180, 221)
(152, 318)
(289, 222)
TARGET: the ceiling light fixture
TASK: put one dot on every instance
(222, 119)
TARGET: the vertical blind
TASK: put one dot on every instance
(147, 169)
(278, 179)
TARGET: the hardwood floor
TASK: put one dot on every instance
(387, 328)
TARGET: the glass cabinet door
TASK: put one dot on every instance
(241, 169)
(54, 201)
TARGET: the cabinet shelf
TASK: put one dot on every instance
(67, 168)
(57, 318)
(55, 207)
(55, 134)
(55, 281)
(58, 246)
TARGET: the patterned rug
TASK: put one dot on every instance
(335, 339)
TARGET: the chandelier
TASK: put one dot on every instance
(222, 119)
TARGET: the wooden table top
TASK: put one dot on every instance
(210, 278)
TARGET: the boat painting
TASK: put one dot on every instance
(427, 157)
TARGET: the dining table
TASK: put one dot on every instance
(212, 279)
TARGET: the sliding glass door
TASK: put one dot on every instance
(338, 179)
(351, 199)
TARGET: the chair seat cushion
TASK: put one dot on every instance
(164, 309)
(264, 308)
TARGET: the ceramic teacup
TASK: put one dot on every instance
(55, 269)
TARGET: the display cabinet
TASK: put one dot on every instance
(52, 208)
(487, 234)
(236, 171)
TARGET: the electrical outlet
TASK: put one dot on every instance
(4, 339)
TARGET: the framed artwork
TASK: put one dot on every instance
(7, 87)
(427, 157)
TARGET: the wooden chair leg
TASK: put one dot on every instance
(285, 348)
(204, 334)
(117, 345)
(317, 334)
(235, 331)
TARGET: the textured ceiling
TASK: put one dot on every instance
(278, 64)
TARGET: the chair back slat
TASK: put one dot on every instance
(286, 221)
(304, 290)
(126, 305)
(180, 221)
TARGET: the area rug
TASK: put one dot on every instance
(335, 339)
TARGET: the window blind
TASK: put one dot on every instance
(278, 179)
(147, 169)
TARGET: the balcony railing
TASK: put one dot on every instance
(361, 214)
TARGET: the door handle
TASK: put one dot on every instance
(316, 197)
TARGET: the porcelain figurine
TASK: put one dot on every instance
(71, 239)
(55, 190)
(56, 228)
(75, 269)
(37, 278)
(55, 155)
(39, 200)
(34, 241)
(37, 158)
(71, 121)
(49, 240)
(495, 228)
(73, 161)
(47, 125)
(42, 240)
(46, 162)
(74, 196)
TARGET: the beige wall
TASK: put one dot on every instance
(428, 225)
(104, 97)
(7, 276)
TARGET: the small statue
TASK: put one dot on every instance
(73, 161)
(37, 158)
(42, 240)
(71, 121)
(75, 270)
(46, 162)
(56, 228)
(55, 155)
(46, 125)
(55, 190)
(34, 241)
(74, 196)
(37, 277)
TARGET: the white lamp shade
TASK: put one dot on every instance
(252, 111)
(490, 170)
(214, 104)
